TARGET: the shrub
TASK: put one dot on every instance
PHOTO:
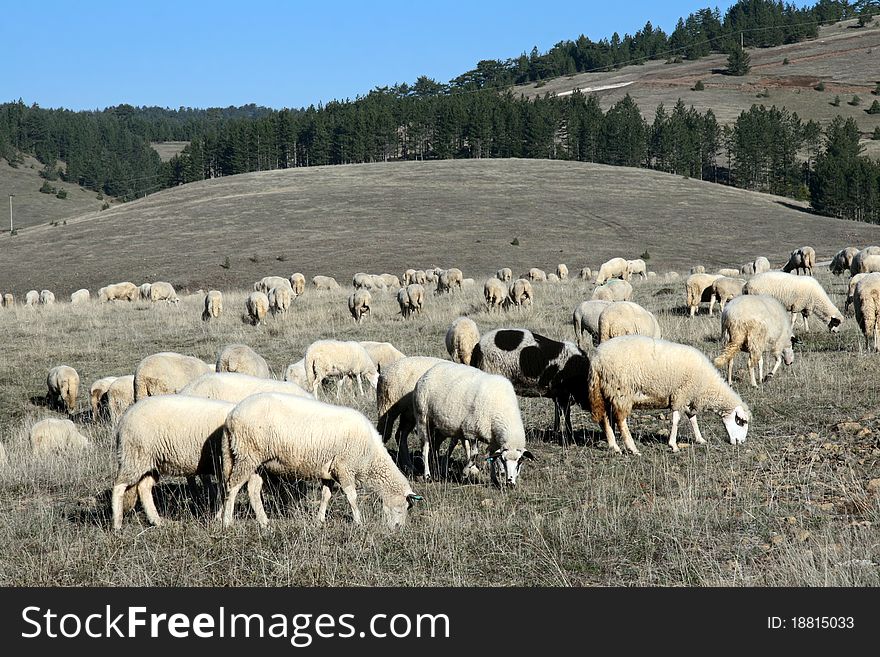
(62, 193)
(836, 101)
(699, 86)
(645, 256)
(876, 136)
(874, 108)
(253, 258)
(47, 188)
(785, 62)
(876, 91)
(855, 101)
(515, 241)
(225, 264)
(820, 86)
(105, 205)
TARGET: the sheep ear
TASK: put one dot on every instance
(834, 323)
(528, 455)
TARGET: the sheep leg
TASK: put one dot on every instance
(693, 310)
(609, 433)
(145, 492)
(452, 443)
(712, 304)
(673, 431)
(360, 384)
(117, 503)
(620, 418)
(237, 478)
(255, 486)
(403, 456)
(698, 437)
(754, 359)
(776, 365)
(793, 320)
(761, 367)
(346, 481)
(730, 372)
(327, 486)
(806, 322)
(426, 452)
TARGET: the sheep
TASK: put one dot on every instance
(562, 272)
(613, 290)
(97, 393)
(728, 272)
(586, 274)
(234, 386)
(538, 367)
(415, 293)
(698, 269)
(409, 276)
(843, 260)
(359, 304)
(166, 373)
(32, 298)
(866, 264)
(280, 299)
(867, 307)
(362, 281)
(80, 296)
(298, 283)
(62, 385)
(390, 280)
(747, 269)
(125, 291)
(53, 435)
(266, 283)
(448, 280)
(461, 403)
(461, 338)
(755, 323)
(394, 400)
(626, 318)
(614, 268)
(636, 266)
(420, 277)
(325, 358)
(586, 318)
(144, 291)
(213, 305)
(652, 274)
(325, 283)
(242, 359)
(504, 274)
(851, 291)
(535, 275)
(170, 435)
(382, 353)
(856, 266)
(8, 300)
(724, 289)
(296, 373)
(761, 265)
(802, 296)
(552, 278)
(521, 293)
(802, 258)
(47, 298)
(256, 305)
(119, 396)
(4, 459)
(468, 283)
(308, 439)
(162, 291)
(495, 293)
(698, 288)
(635, 371)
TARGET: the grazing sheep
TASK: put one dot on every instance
(325, 283)
(652, 274)
(394, 400)
(382, 353)
(421, 277)
(359, 304)
(802, 258)
(755, 323)
(170, 435)
(296, 372)
(586, 318)
(449, 280)
(536, 275)
(47, 298)
(8, 300)
(32, 298)
(461, 338)
(747, 269)
(461, 403)
(234, 386)
(866, 264)
(326, 358)
(635, 371)
(119, 396)
(698, 269)
(256, 306)
(843, 260)
(504, 274)
(80, 296)
(728, 272)
(403, 302)
(126, 291)
(698, 288)
(613, 290)
(724, 289)
(97, 394)
(636, 266)
(521, 293)
(144, 291)
(166, 373)
(803, 296)
(562, 272)
(415, 293)
(851, 291)
(213, 305)
(761, 265)
(614, 268)
(362, 281)
(162, 291)
(867, 307)
(308, 439)
(409, 276)
(242, 359)
(495, 293)
(266, 283)
(280, 299)
(586, 274)
(52, 435)
(856, 266)
(626, 318)
(390, 281)
(538, 367)
(552, 278)
(63, 387)
(298, 283)
(467, 283)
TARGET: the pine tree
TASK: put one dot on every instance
(738, 62)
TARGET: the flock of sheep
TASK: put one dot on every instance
(230, 422)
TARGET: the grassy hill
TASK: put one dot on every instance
(339, 220)
(843, 57)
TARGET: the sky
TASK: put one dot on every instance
(92, 54)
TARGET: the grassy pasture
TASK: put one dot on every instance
(792, 506)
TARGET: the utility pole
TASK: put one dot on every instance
(10, 213)
(741, 41)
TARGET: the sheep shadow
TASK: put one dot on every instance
(580, 438)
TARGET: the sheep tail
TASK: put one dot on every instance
(729, 352)
(597, 400)
(129, 498)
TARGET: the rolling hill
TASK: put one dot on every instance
(339, 220)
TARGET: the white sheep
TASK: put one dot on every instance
(867, 307)
(495, 293)
(729, 272)
(362, 281)
(53, 435)
(80, 296)
(47, 298)
(242, 359)
(256, 306)
(280, 299)
(120, 395)
(698, 269)
(382, 353)
(698, 288)
(63, 388)
(614, 268)
(586, 318)
(613, 290)
(463, 403)
(535, 275)
(803, 258)
(166, 373)
(755, 323)
(167, 435)
(266, 283)
(449, 280)
(359, 304)
(144, 291)
(298, 283)
(626, 318)
(324, 358)
(213, 305)
(866, 264)
(390, 281)
(636, 371)
(521, 293)
(415, 298)
(800, 296)
(233, 386)
(842, 260)
(851, 291)
(409, 276)
(636, 266)
(762, 265)
(32, 298)
(97, 394)
(8, 300)
(296, 372)
(724, 289)
(562, 272)
(586, 274)
(552, 278)
(125, 291)
(163, 291)
(420, 277)
(325, 283)
(504, 274)
(468, 283)
(308, 439)
(461, 338)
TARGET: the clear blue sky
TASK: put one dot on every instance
(97, 53)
